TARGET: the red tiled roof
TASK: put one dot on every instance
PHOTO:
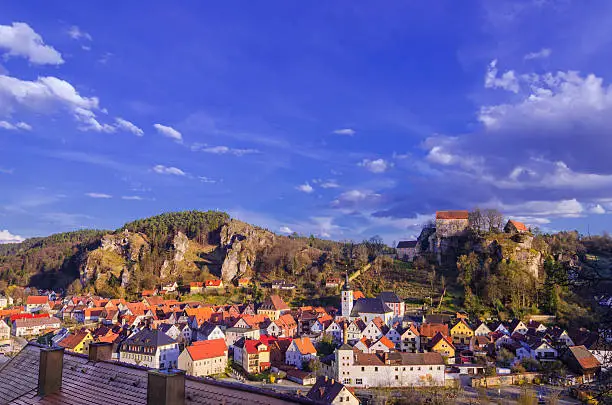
(196, 284)
(304, 345)
(358, 295)
(28, 316)
(213, 283)
(518, 225)
(584, 357)
(207, 349)
(73, 339)
(37, 300)
(458, 214)
(430, 329)
(250, 346)
(385, 341)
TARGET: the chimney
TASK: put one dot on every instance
(50, 370)
(344, 333)
(166, 387)
(100, 351)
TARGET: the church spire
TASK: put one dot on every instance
(346, 286)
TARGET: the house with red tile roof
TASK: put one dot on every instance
(148, 293)
(429, 330)
(284, 326)
(443, 345)
(513, 226)
(77, 342)
(196, 287)
(244, 282)
(300, 351)
(273, 307)
(213, 284)
(582, 362)
(451, 223)
(252, 355)
(37, 303)
(203, 358)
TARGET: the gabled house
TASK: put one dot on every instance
(213, 284)
(203, 358)
(150, 348)
(406, 250)
(355, 330)
(499, 327)
(429, 330)
(536, 326)
(5, 333)
(482, 329)
(478, 344)
(370, 308)
(252, 355)
(517, 326)
(461, 333)
(321, 324)
(196, 287)
(300, 351)
(394, 335)
(278, 351)
(443, 345)
(543, 351)
(37, 303)
(336, 329)
(329, 391)
(210, 331)
(375, 329)
(513, 226)
(583, 363)
(171, 330)
(77, 342)
(382, 345)
(410, 339)
(284, 326)
(560, 337)
(273, 307)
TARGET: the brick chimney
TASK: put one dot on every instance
(166, 387)
(50, 370)
(100, 351)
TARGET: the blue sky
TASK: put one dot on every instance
(341, 119)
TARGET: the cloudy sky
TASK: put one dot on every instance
(343, 119)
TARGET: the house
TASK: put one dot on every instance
(244, 282)
(369, 346)
(300, 351)
(273, 307)
(499, 327)
(210, 331)
(410, 340)
(5, 301)
(478, 344)
(234, 334)
(203, 358)
(150, 348)
(482, 330)
(172, 287)
(583, 363)
(370, 308)
(375, 329)
(406, 250)
(321, 324)
(543, 351)
(37, 303)
(513, 226)
(429, 330)
(196, 287)
(517, 326)
(451, 223)
(329, 391)
(148, 293)
(285, 326)
(560, 337)
(394, 335)
(252, 355)
(397, 305)
(278, 350)
(393, 369)
(332, 282)
(536, 326)
(171, 330)
(77, 342)
(443, 345)
(461, 333)
(336, 330)
(213, 284)
(5, 333)
(355, 330)
(28, 327)
(93, 314)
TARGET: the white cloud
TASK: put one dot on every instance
(76, 33)
(131, 197)
(570, 208)
(169, 132)
(7, 237)
(352, 197)
(223, 150)
(285, 229)
(541, 54)
(99, 195)
(14, 127)
(19, 39)
(128, 126)
(507, 81)
(375, 166)
(330, 184)
(161, 169)
(306, 188)
(345, 131)
(597, 209)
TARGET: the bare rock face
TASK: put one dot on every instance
(242, 243)
(180, 243)
(125, 244)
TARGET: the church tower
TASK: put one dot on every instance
(347, 299)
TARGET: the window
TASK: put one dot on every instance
(375, 368)
(362, 368)
(359, 381)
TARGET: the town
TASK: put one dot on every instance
(366, 343)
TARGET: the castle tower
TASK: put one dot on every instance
(347, 299)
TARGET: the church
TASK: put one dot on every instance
(386, 306)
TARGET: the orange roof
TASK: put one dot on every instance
(461, 214)
(584, 357)
(254, 320)
(202, 312)
(430, 329)
(518, 225)
(213, 283)
(9, 312)
(93, 311)
(244, 281)
(37, 300)
(147, 292)
(72, 340)
(207, 349)
(287, 320)
(385, 341)
(108, 338)
(304, 345)
(196, 284)
(358, 295)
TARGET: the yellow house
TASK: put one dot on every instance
(77, 342)
(443, 345)
(273, 307)
(461, 333)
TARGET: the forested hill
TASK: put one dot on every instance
(181, 246)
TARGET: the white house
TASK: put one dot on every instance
(5, 301)
(482, 330)
(205, 357)
(393, 369)
(410, 340)
(150, 348)
(355, 330)
(329, 391)
(543, 351)
(5, 333)
(394, 336)
(336, 330)
(209, 331)
(34, 326)
(375, 329)
(37, 303)
(171, 330)
(300, 351)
